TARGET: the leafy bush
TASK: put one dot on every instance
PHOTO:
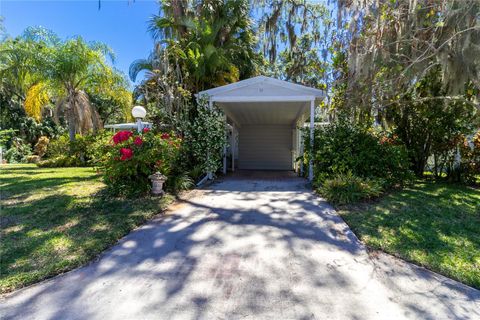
(58, 147)
(179, 182)
(433, 127)
(18, 152)
(458, 160)
(83, 151)
(347, 188)
(60, 162)
(6, 137)
(196, 172)
(342, 147)
(470, 159)
(96, 147)
(30, 129)
(131, 158)
(206, 136)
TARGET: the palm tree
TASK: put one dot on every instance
(45, 78)
(16, 68)
(163, 86)
(199, 45)
(38, 68)
(211, 41)
(18, 74)
(69, 67)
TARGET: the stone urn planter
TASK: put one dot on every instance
(158, 180)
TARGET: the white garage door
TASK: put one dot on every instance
(265, 147)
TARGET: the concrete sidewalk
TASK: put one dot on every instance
(246, 249)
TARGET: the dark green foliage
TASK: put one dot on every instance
(196, 172)
(342, 147)
(68, 73)
(32, 130)
(205, 137)
(470, 159)
(18, 152)
(179, 182)
(6, 138)
(17, 143)
(430, 127)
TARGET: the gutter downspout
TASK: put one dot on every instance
(204, 179)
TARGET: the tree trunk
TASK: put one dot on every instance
(71, 127)
(435, 166)
(71, 116)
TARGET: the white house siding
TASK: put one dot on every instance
(265, 147)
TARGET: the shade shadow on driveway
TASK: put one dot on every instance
(256, 248)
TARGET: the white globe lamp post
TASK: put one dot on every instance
(139, 112)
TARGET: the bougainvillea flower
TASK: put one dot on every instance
(165, 136)
(121, 136)
(126, 154)
(138, 141)
(145, 130)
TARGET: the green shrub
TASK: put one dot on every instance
(61, 162)
(347, 188)
(18, 152)
(58, 147)
(196, 172)
(131, 158)
(205, 137)
(96, 147)
(470, 159)
(179, 182)
(6, 137)
(342, 147)
(83, 151)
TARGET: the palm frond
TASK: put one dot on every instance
(36, 98)
(41, 34)
(103, 49)
(138, 66)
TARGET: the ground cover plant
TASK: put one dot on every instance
(53, 220)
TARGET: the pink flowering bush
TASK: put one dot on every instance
(132, 157)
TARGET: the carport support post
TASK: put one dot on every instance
(225, 147)
(232, 146)
(209, 174)
(312, 125)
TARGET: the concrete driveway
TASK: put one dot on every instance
(245, 249)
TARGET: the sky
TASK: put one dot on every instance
(121, 24)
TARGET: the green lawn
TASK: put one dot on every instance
(53, 220)
(436, 225)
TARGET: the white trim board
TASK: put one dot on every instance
(307, 91)
(263, 98)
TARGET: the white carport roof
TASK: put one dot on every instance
(264, 100)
